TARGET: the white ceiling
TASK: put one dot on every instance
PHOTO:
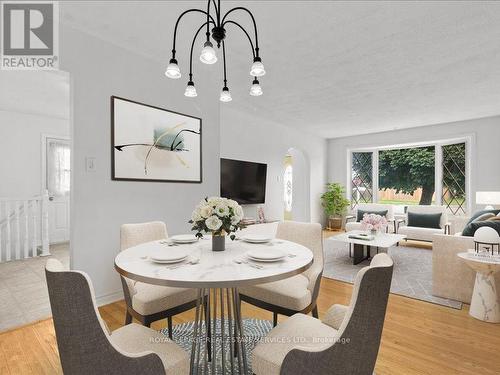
(333, 68)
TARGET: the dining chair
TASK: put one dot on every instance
(297, 293)
(347, 339)
(145, 302)
(85, 344)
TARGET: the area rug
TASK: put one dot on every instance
(412, 276)
(254, 329)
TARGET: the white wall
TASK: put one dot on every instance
(99, 205)
(248, 137)
(485, 157)
(23, 120)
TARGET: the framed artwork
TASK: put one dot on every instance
(153, 144)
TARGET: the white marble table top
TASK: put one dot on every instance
(480, 262)
(215, 269)
(383, 240)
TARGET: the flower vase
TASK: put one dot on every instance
(218, 242)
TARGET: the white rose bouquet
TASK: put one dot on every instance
(219, 216)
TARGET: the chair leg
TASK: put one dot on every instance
(128, 318)
(169, 323)
(275, 319)
(315, 312)
(208, 328)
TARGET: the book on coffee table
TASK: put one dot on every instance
(362, 236)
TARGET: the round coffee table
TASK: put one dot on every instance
(217, 276)
(485, 303)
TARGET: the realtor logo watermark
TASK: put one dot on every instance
(30, 35)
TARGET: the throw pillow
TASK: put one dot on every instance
(494, 218)
(484, 217)
(479, 213)
(470, 229)
(361, 213)
(424, 220)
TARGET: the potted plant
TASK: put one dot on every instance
(335, 204)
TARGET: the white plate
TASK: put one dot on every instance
(170, 255)
(256, 238)
(168, 261)
(184, 238)
(267, 255)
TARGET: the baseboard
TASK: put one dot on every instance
(109, 298)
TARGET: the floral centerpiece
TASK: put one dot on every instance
(218, 216)
(374, 223)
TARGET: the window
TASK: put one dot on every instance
(58, 167)
(361, 178)
(416, 174)
(454, 195)
(406, 176)
(288, 187)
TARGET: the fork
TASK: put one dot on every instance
(242, 261)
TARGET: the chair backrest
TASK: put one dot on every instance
(376, 207)
(82, 338)
(309, 235)
(424, 209)
(135, 234)
(356, 347)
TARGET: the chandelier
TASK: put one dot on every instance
(208, 54)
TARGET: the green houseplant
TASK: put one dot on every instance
(335, 204)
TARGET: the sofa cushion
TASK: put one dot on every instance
(361, 213)
(484, 217)
(479, 213)
(471, 228)
(421, 234)
(424, 220)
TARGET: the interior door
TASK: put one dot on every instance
(58, 172)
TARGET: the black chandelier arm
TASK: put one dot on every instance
(248, 36)
(192, 46)
(254, 25)
(177, 24)
(217, 8)
(224, 58)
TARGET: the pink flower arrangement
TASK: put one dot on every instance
(374, 222)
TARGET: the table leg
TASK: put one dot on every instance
(359, 253)
(230, 311)
(485, 304)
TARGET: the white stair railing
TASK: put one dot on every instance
(24, 227)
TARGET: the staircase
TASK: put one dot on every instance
(24, 227)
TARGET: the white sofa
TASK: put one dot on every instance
(424, 234)
(355, 225)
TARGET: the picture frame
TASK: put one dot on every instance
(154, 144)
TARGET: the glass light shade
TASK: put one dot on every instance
(256, 90)
(190, 91)
(257, 69)
(173, 71)
(208, 55)
(225, 95)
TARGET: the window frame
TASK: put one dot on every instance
(468, 139)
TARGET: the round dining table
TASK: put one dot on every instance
(216, 275)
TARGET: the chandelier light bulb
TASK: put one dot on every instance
(257, 69)
(255, 89)
(225, 95)
(190, 90)
(173, 70)
(208, 55)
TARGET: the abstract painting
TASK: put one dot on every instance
(154, 144)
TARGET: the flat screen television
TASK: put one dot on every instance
(243, 181)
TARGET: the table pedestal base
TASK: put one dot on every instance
(213, 304)
(484, 304)
(359, 252)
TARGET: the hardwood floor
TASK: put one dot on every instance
(418, 338)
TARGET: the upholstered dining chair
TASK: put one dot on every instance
(345, 342)
(297, 293)
(145, 302)
(85, 344)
